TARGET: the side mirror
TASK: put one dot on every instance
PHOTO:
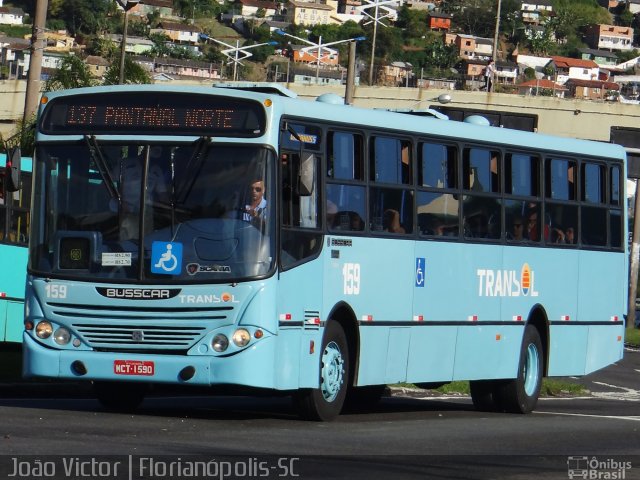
(307, 174)
(12, 171)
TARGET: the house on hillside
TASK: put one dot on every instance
(12, 55)
(135, 45)
(542, 87)
(532, 11)
(11, 16)
(591, 89)
(97, 65)
(609, 37)
(308, 13)
(250, 8)
(470, 47)
(179, 32)
(187, 69)
(565, 68)
(439, 22)
(147, 7)
(603, 58)
(310, 56)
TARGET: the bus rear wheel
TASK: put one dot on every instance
(120, 397)
(325, 403)
(520, 395)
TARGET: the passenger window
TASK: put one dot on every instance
(480, 170)
(593, 185)
(594, 226)
(438, 214)
(522, 177)
(391, 210)
(561, 224)
(481, 217)
(438, 166)
(390, 160)
(345, 208)
(345, 157)
(615, 223)
(561, 179)
(615, 194)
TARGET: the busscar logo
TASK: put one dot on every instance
(194, 268)
(138, 293)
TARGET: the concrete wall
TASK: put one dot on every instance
(565, 117)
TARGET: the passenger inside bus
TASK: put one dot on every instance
(391, 221)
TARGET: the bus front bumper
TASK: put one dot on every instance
(251, 367)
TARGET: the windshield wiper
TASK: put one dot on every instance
(200, 149)
(98, 159)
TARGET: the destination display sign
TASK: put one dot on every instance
(153, 113)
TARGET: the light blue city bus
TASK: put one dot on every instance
(226, 237)
(14, 236)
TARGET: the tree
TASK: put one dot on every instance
(72, 73)
(133, 73)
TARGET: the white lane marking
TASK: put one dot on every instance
(626, 394)
(633, 418)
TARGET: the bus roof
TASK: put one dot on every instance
(358, 117)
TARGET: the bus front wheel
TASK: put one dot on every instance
(325, 403)
(520, 395)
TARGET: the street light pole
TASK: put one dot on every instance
(126, 5)
(233, 53)
(319, 46)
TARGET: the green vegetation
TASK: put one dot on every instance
(408, 39)
(632, 337)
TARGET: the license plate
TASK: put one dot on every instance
(133, 367)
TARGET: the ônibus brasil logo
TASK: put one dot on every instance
(506, 283)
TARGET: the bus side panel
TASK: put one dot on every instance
(606, 345)
(397, 354)
(567, 350)
(602, 278)
(374, 277)
(299, 294)
(374, 345)
(487, 351)
(3, 320)
(15, 322)
(431, 354)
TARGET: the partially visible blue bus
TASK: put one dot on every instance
(229, 237)
(14, 237)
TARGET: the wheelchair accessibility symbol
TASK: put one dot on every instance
(420, 271)
(166, 258)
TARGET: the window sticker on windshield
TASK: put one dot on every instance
(116, 259)
(166, 258)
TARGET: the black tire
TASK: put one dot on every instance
(325, 403)
(120, 397)
(520, 395)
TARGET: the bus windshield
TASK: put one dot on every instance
(195, 212)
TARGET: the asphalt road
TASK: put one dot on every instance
(404, 437)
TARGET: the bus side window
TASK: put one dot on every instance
(300, 213)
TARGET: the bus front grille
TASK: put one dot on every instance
(139, 336)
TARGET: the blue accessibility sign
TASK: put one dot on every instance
(420, 271)
(166, 258)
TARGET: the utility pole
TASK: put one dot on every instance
(35, 61)
(351, 74)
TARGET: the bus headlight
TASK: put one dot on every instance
(62, 336)
(44, 330)
(220, 343)
(241, 337)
